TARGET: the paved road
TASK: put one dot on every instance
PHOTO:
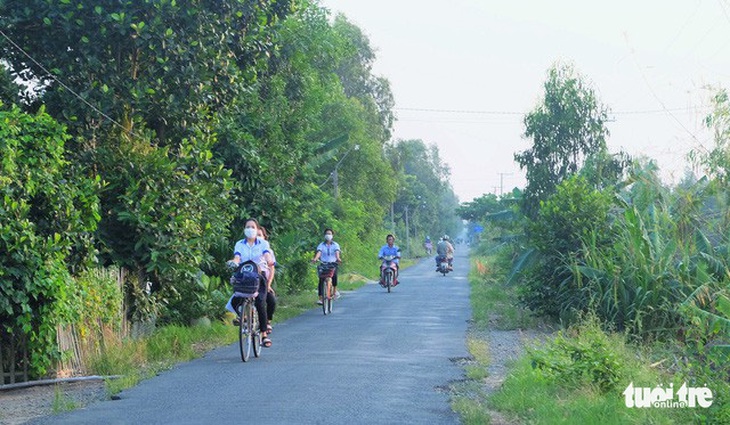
(379, 359)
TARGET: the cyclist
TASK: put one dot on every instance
(271, 296)
(389, 249)
(253, 249)
(329, 252)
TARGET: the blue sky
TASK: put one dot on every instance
(651, 63)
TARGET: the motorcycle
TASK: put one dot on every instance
(442, 265)
(387, 272)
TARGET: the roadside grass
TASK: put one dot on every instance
(62, 402)
(576, 376)
(494, 304)
(579, 376)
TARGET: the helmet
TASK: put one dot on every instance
(446, 237)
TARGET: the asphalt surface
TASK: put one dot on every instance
(380, 358)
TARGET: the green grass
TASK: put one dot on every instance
(535, 398)
(547, 385)
(62, 402)
(494, 304)
(138, 359)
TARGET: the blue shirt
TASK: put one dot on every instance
(253, 252)
(386, 250)
(328, 251)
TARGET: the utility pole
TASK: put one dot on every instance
(408, 239)
(501, 182)
(392, 218)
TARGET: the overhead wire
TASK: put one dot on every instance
(61, 83)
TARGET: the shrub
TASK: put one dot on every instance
(582, 355)
(48, 210)
(576, 211)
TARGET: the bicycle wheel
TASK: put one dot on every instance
(325, 295)
(255, 331)
(243, 331)
(331, 297)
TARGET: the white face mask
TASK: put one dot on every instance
(328, 237)
(250, 232)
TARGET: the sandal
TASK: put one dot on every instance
(269, 328)
(266, 342)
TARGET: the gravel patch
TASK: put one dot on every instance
(22, 406)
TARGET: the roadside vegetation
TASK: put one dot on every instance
(635, 272)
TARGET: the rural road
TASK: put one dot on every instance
(378, 359)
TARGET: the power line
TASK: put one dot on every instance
(482, 112)
(61, 83)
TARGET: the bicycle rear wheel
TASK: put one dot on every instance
(326, 295)
(255, 331)
(244, 331)
(331, 297)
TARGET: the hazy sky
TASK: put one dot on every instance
(651, 63)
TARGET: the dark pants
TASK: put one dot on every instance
(270, 305)
(260, 304)
(321, 283)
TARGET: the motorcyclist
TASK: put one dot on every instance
(444, 249)
(389, 249)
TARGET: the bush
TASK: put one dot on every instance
(48, 211)
(581, 356)
(576, 211)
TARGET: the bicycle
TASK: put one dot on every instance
(245, 281)
(327, 271)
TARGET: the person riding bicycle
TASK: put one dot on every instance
(428, 246)
(389, 249)
(251, 248)
(329, 252)
(444, 249)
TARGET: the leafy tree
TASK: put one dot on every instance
(424, 190)
(566, 127)
(357, 78)
(165, 62)
(575, 213)
(47, 211)
(477, 209)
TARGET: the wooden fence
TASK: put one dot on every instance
(77, 347)
(13, 357)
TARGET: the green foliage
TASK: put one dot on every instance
(163, 213)
(494, 303)
(574, 213)
(47, 211)
(423, 191)
(93, 298)
(566, 127)
(165, 61)
(583, 356)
